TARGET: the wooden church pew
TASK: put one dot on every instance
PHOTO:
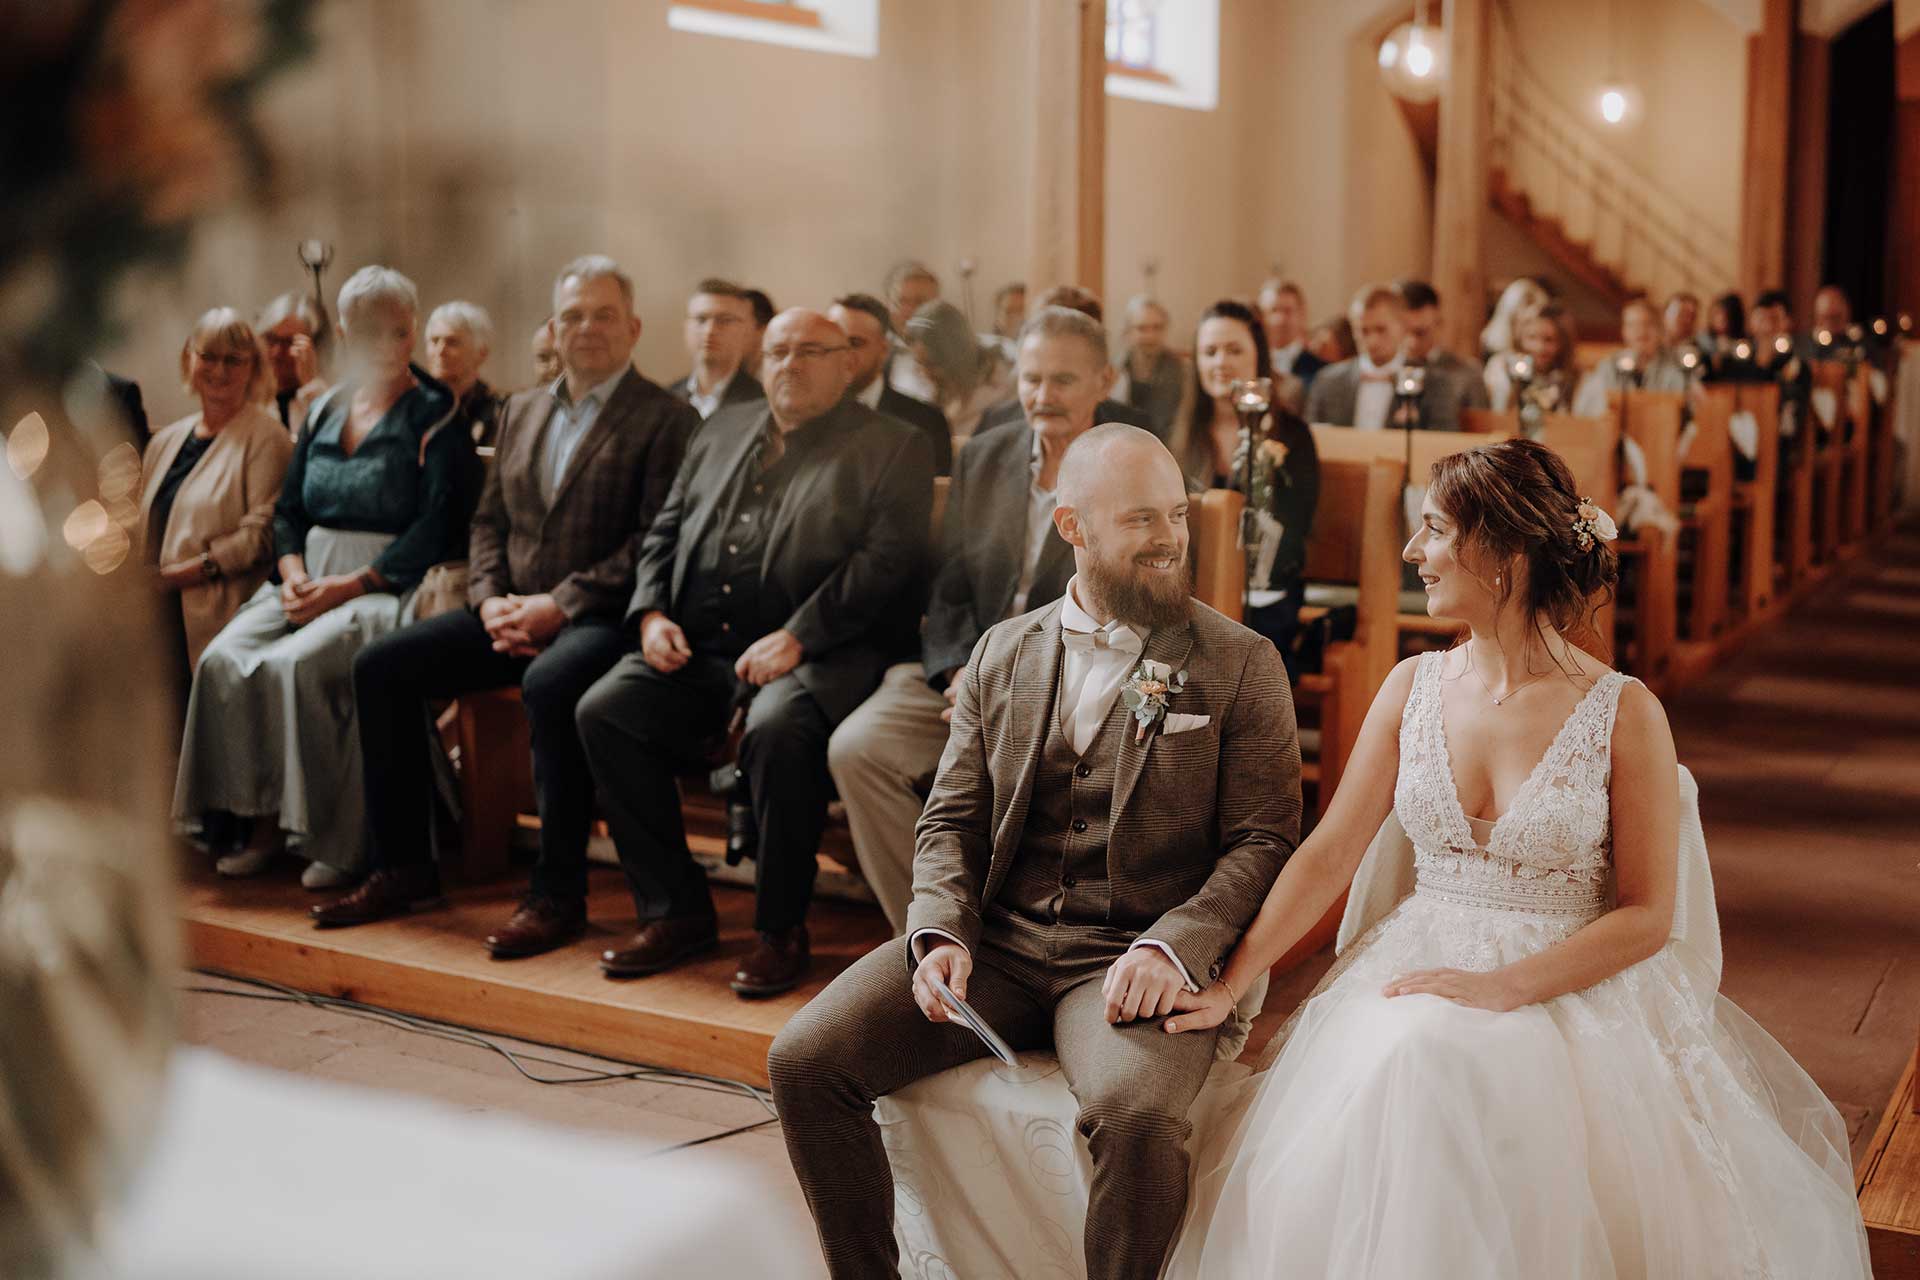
(1829, 446)
(1707, 520)
(1794, 507)
(1755, 500)
(1857, 463)
(1881, 460)
(1650, 559)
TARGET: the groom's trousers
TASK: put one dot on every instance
(1038, 985)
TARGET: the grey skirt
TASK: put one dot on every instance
(271, 728)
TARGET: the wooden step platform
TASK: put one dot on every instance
(434, 965)
(1889, 1182)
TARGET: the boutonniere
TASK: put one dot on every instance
(1146, 692)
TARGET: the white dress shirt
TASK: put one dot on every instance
(567, 425)
(870, 394)
(1373, 398)
(1090, 679)
(705, 402)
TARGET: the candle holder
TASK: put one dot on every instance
(1252, 401)
(1627, 365)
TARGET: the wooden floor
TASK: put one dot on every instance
(1889, 1180)
(434, 965)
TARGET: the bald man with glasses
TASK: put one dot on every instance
(785, 571)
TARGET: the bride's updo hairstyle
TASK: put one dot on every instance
(1515, 501)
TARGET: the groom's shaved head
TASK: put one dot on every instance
(1112, 462)
(1123, 510)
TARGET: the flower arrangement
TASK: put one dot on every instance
(1146, 693)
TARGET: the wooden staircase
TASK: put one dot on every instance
(1577, 258)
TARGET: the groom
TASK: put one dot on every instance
(1074, 870)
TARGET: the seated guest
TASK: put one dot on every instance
(1546, 339)
(365, 511)
(582, 467)
(1771, 358)
(1497, 338)
(910, 286)
(763, 313)
(718, 330)
(1833, 316)
(1068, 878)
(1153, 378)
(1331, 341)
(788, 606)
(1727, 319)
(1231, 346)
(1361, 392)
(967, 376)
(1087, 303)
(1422, 345)
(296, 336)
(863, 318)
(1283, 315)
(1680, 321)
(459, 339)
(1009, 310)
(546, 355)
(1001, 556)
(208, 485)
(1643, 363)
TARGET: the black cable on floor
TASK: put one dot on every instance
(276, 993)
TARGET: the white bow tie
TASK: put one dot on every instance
(1121, 638)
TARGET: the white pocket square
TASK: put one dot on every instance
(1177, 723)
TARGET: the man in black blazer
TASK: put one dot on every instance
(1000, 558)
(781, 565)
(720, 329)
(869, 331)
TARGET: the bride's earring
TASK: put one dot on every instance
(1496, 579)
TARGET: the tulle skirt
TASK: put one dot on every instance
(1638, 1128)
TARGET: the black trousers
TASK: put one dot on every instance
(642, 727)
(444, 657)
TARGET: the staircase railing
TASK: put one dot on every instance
(1646, 236)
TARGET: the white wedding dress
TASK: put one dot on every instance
(1643, 1127)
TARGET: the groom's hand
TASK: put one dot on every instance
(1141, 984)
(948, 962)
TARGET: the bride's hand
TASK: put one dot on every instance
(1493, 990)
(1201, 1012)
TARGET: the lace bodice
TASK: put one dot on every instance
(1551, 852)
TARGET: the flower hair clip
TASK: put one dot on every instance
(1591, 525)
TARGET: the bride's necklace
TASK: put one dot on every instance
(1497, 700)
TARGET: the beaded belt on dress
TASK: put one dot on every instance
(1489, 885)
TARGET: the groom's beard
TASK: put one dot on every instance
(1141, 598)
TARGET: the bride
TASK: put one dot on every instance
(1520, 1065)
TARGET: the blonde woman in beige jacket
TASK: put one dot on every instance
(209, 483)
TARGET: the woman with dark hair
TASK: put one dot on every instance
(1520, 1065)
(1231, 346)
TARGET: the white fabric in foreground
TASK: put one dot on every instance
(259, 1173)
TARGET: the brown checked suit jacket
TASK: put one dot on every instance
(582, 548)
(1202, 820)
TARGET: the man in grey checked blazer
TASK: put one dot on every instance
(1072, 874)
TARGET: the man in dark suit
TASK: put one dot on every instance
(581, 469)
(720, 329)
(1087, 303)
(1001, 556)
(869, 331)
(1283, 314)
(1422, 347)
(778, 572)
(1361, 392)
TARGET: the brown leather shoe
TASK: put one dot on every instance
(537, 926)
(780, 963)
(386, 893)
(660, 945)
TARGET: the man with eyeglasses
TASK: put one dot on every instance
(719, 330)
(869, 333)
(781, 573)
